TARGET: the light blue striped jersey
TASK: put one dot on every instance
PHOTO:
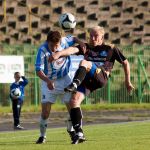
(58, 68)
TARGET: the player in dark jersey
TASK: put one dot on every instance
(92, 73)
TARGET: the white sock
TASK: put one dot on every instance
(75, 85)
(69, 125)
(80, 134)
(43, 126)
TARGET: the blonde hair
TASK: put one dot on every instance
(98, 29)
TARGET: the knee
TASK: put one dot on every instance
(45, 115)
(83, 62)
(86, 64)
(74, 103)
(76, 99)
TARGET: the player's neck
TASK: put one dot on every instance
(97, 44)
(51, 49)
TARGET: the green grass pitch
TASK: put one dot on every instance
(123, 136)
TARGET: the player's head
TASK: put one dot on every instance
(17, 76)
(96, 35)
(53, 39)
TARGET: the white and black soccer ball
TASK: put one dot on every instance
(15, 92)
(67, 21)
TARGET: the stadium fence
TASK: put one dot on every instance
(114, 92)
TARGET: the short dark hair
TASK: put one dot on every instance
(16, 73)
(53, 36)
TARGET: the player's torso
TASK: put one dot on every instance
(100, 55)
(19, 86)
(58, 68)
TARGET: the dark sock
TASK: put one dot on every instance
(76, 116)
(80, 75)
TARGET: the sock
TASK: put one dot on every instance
(80, 75)
(69, 125)
(43, 126)
(76, 117)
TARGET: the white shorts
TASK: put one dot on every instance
(58, 93)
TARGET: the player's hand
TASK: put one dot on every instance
(50, 59)
(82, 44)
(54, 57)
(129, 87)
(14, 97)
(50, 85)
(83, 47)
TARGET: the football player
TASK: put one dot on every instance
(55, 77)
(93, 72)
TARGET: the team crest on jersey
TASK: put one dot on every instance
(103, 53)
(59, 63)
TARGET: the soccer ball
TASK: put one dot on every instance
(67, 21)
(16, 92)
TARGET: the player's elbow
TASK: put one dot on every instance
(73, 50)
(26, 82)
(125, 63)
(37, 72)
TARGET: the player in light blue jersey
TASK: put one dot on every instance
(55, 77)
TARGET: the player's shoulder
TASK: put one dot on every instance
(67, 38)
(109, 45)
(11, 85)
(67, 41)
(63, 39)
(88, 46)
(63, 42)
(43, 47)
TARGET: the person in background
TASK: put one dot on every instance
(17, 102)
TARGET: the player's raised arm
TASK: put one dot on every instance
(66, 52)
(81, 43)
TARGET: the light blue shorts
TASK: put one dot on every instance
(58, 93)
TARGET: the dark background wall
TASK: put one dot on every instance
(28, 21)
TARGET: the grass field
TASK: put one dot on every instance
(124, 136)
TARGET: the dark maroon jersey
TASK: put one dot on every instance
(103, 55)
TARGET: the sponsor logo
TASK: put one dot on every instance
(59, 63)
(103, 53)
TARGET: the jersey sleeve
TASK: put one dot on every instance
(80, 49)
(25, 81)
(10, 89)
(39, 64)
(117, 55)
(68, 41)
